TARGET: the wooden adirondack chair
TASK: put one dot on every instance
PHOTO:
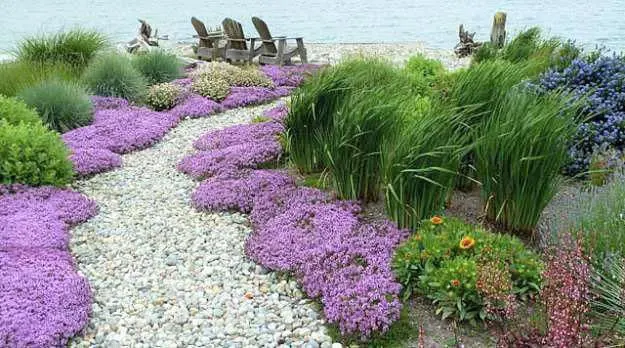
(281, 54)
(208, 46)
(237, 48)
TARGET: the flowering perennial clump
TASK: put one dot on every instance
(163, 96)
(602, 82)
(43, 300)
(336, 256)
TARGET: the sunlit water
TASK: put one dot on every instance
(591, 23)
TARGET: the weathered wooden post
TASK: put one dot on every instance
(498, 32)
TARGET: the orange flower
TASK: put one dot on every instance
(455, 283)
(436, 220)
(467, 243)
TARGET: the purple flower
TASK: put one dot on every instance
(196, 106)
(101, 103)
(277, 113)
(239, 134)
(89, 161)
(249, 155)
(291, 75)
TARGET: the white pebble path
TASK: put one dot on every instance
(165, 275)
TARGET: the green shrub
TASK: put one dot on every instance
(113, 75)
(463, 268)
(213, 88)
(424, 71)
(75, 47)
(15, 111)
(353, 145)
(31, 154)
(163, 96)
(608, 298)
(158, 66)
(62, 106)
(420, 166)
(523, 147)
(249, 77)
(15, 76)
(220, 70)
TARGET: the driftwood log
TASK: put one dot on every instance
(144, 39)
(498, 32)
(466, 46)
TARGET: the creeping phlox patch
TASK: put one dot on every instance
(43, 300)
(336, 256)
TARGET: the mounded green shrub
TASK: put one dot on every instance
(33, 155)
(424, 72)
(112, 75)
(214, 88)
(163, 96)
(158, 66)
(464, 269)
(249, 77)
(15, 111)
(74, 47)
(61, 105)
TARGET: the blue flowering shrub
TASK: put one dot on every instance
(601, 81)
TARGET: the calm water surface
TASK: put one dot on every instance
(434, 22)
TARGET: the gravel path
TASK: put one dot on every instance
(164, 275)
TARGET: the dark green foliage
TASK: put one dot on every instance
(520, 154)
(61, 105)
(15, 76)
(315, 105)
(531, 48)
(419, 167)
(608, 301)
(31, 154)
(75, 48)
(113, 75)
(158, 66)
(353, 144)
(14, 112)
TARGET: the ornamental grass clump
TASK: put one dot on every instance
(17, 75)
(216, 89)
(33, 155)
(469, 274)
(424, 72)
(163, 96)
(519, 157)
(61, 105)
(158, 66)
(353, 146)
(419, 168)
(75, 48)
(112, 75)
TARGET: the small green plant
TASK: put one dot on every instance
(17, 75)
(61, 105)
(112, 75)
(158, 66)
(14, 112)
(260, 119)
(424, 72)
(31, 154)
(420, 166)
(163, 96)
(213, 88)
(75, 47)
(520, 154)
(469, 273)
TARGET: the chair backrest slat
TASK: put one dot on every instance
(234, 30)
(264, 33)
(200, 28)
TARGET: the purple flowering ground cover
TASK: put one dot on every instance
(120, 127)
(338, 258)
(43, 300)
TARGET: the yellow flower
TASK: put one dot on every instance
(436, 220)
(455, 283)
(417, 237)
(467, 243)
